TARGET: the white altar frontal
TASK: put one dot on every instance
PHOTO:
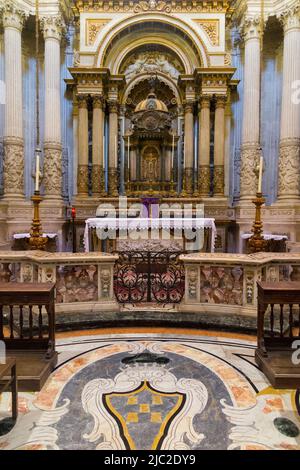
(186, 233)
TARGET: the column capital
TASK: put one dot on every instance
(290, 18)
(13, 16)
(204, 101)
(251, 28)
(221, 101)
(82, 101)
(113, 106)
(53, 27)
(98, 101)
(188, 107)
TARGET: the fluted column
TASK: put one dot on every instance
(98, 184)
(250, 151)
(204, 147)
(113, 149)
(52, 29)
(13, 19)
(219, 146)
(289, 150)
(83, 146)
(188, 148)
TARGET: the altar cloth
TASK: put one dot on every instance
(131, 224)
(20, 236)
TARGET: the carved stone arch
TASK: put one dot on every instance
(180, 25)
(143, 77)
(158, 41)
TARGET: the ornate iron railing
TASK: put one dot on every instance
(146, 276)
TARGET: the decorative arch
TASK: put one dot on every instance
(160, 18)
(144, 76)
(153, 39)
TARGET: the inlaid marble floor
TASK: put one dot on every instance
(154, 391)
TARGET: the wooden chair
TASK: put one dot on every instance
(27, 326)
(279, 306)
(8, 379)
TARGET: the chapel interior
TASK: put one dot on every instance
(149, 224)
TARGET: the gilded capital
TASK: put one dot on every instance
(189, 107)
(221, 101)
(13, 16)
(204, 102)
(113, 106)
(98, 101)
(82, 101)
(53, 27)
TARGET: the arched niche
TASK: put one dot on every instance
(152, 28)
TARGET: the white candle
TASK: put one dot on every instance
(261, 162)
(116, 152)
(37, 171)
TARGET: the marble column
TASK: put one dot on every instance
(113, 149)
(83, 146)
(289, 149)
(219, 145)
(188, 148)
(204, 147)
(13, 19)
(250, 150)
(98, 183)
(52, 28)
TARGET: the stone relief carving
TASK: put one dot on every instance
(76, 284)
(52, 171)
(192, 282)
(27, 272)
(105, 277)
(93, 27)
(211, 28)
(5, 272)
(150, 62)
(13, 167)
(152, 5)
(249, 161)
(289, 169)
(204, 180)
(65, 173)
(219, 179)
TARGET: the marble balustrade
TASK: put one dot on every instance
(84, 281)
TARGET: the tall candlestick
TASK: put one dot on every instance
(37, 171)
(116, 152)
(261, 162)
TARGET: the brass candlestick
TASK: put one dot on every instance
(257, 242)
(36, 240)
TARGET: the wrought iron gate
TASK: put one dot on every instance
(146, 276)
